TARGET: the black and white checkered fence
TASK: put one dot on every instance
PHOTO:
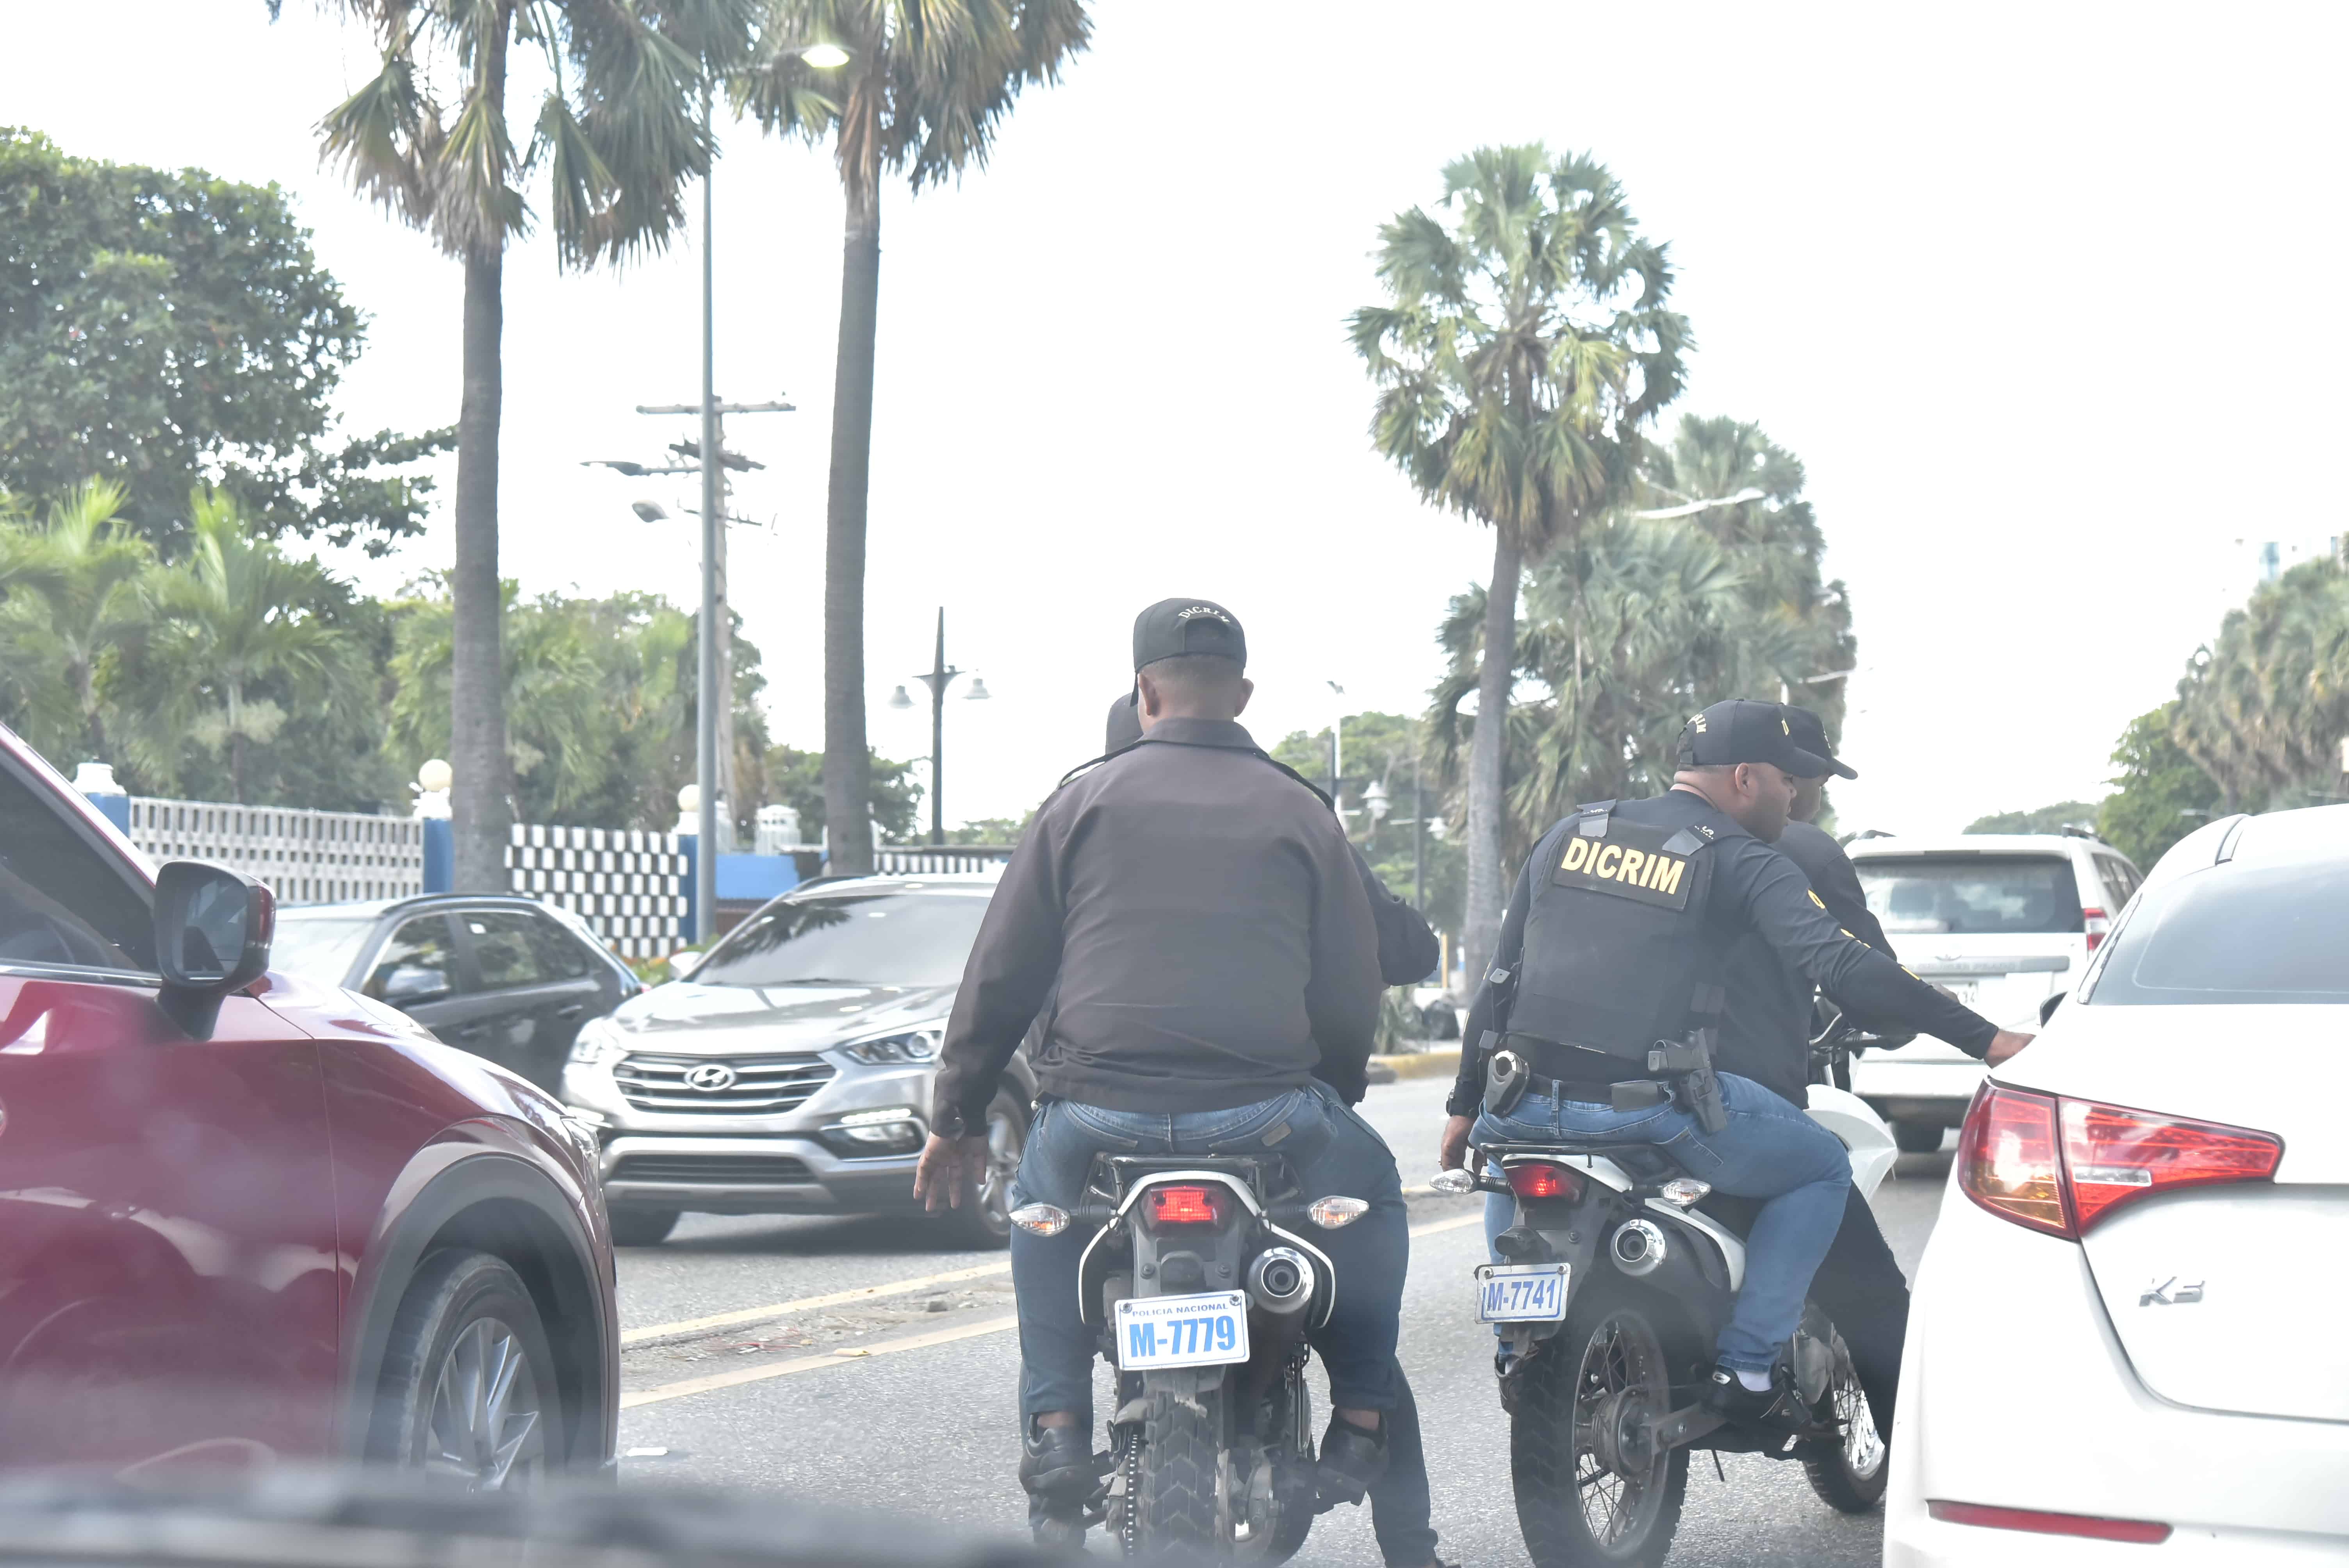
(633, 887)
(305, 856)
(903, 860)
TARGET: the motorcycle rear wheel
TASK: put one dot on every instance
(1851, 1476)
(1182, 1503)
(1574, 1510)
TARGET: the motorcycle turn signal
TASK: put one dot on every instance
(1333, 1212)
(1041, 1219)
(1453, 1183)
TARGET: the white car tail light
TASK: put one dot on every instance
(2094, 922)
(2142, 1532)
(2062, 1165)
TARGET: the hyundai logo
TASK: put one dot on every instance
(710, 1078)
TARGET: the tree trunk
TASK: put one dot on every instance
(847, 762)
(1487, 752)
(477, 802)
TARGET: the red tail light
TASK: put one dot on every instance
(1541, 1179)
(2061, 1165)
(2096, 924)
(2142, 1532)
(1183, 1205)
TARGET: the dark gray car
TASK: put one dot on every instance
(506, 978)
(790, 1071)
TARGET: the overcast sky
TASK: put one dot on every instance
(2047, 298)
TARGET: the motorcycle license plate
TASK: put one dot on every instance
(1520, 1292)
(1162, 1331)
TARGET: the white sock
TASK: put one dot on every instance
(1753, 1382)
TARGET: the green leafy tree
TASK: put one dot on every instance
(1522, 348)
(796, 778)
(925, 90)
(620, 130)
(1378, 748)
(2045, 819)
(2264, 708)
(76, 586)
(2160, 794)
(240, 625)
(163, 329)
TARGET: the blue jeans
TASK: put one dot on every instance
(1769, 1149)
(1331, 1150)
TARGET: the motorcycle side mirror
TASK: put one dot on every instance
(2047, 1008)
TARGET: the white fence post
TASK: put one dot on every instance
(305, 857)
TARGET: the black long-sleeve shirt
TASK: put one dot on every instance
(1755, 890)
(1206, 926)
(1765, 1024)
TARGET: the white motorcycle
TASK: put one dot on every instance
(1621, 1270)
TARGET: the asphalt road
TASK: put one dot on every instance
(854, 1363)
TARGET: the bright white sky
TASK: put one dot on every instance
(2046, 297)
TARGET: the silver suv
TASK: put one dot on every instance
(789, 1071)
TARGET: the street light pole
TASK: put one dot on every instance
(1418, 841)
(936, 681)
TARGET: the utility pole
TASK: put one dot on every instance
(1418, 841)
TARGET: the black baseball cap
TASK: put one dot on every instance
(1744, 730)
(1804, 727)
(1124, 725)
(1172, 627)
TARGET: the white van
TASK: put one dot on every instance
(2005, 921)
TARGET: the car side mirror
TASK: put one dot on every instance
(212, 930)
(411, 982)
(2047, 1008)
(681, 965)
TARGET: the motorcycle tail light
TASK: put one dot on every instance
(2062, 1165)
(1183, 1205)
(2113, 1155)
(1541, 1179)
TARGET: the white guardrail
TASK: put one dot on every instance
(305, 857)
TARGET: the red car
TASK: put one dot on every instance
(245, 1218)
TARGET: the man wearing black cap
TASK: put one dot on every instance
(1617, 938)
(1193, 914)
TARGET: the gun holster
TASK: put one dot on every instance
(1695, 1086)
(1506, 1075)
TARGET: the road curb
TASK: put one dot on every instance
(1416, 1064)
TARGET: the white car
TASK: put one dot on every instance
(2005, 922)
(2126, 1339)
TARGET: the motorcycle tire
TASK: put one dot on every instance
(1607, 1344)
(1182, 1506)
(1917, 1136)
(1850, 1476)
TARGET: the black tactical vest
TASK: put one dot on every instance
(1616, 947)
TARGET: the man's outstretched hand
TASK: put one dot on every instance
(2006, 1042)
(949, 1169)
(1452, 1150)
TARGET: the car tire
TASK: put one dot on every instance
(470, 1397)
(988, 1224)
(1917, 1136)
(637, 1226)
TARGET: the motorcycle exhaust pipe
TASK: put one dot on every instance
(1280, 1281)
(1638, 1247)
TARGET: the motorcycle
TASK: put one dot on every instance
(1202, 1284)
(1619, 1270)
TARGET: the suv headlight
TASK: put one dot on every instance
(599, 1039)
(909, 1045)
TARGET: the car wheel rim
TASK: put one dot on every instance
(487, 1431)
(1004, 1145)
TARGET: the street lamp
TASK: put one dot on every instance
(940, 676)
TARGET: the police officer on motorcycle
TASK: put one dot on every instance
(1599, 1014)
(1193, 913)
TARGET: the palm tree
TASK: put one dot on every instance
(75, 590)
(621, 131)
(926, 84)
(1521, 349)
(236, 613)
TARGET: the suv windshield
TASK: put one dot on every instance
(2272, 935)
(1970, 894)
(861, 939)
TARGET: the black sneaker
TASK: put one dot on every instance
(1772, 1410)
(1057, 1463)
(1352, 1460)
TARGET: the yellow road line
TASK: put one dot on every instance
(809, 1304)
(844, 1357)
